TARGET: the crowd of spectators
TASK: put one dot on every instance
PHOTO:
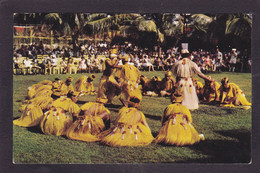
(87, 55)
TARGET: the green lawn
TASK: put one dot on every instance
(227, 132)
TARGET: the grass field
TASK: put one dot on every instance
(227, 132)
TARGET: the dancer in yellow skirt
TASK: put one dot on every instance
(63, 88)
(199, 88)
(130, 129)
(39, 89)
(95, 119)
(211, 91)
(108, 86)
(33, 111)
(129, 78)
(167, 84)
(150, 87)
(84, 85)
(56, 88)
(58, 119)
(231, 95)
(176, 125)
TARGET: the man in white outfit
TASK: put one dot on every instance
(184, 69)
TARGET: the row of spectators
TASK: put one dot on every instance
(143, 58)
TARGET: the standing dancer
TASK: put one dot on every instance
(184, 69)
(108, 86)
(128, 77)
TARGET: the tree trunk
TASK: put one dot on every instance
(75, 44)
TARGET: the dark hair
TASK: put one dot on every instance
(185, 55)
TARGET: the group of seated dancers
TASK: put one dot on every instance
(52, 105)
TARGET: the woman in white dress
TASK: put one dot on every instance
(82, 65)
(147, 63)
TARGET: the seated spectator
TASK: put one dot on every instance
(136, 61)
(147, 63)
(70, 63)
(54, 61)
(82, 65)
(63, 65)
(159, 63)
(17, 63)
(28, 65)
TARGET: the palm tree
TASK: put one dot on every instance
(73, 24)
(231, 29)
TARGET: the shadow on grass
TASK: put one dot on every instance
(81, 102)
(113, 106)
(35, 129)
(154, 133)
(153, 117)
(236, 150)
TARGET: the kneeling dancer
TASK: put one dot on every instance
(130, 129)
(96, 118)
(177, 129)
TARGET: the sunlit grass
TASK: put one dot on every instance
(227, 131)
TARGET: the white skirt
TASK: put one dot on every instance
(190, 98)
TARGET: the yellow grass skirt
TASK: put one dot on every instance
(129, 130)
(86, 128)
(56, 122)
(176, 132)
(31, 116)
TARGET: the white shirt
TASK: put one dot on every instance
(27, 63)
(54, 62)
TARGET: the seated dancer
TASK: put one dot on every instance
(128, 78)
(211, 91)
(199, 88)
(58, 119)
(33, 112)
(150, 87)
(176, 125)
(61, 89)
(42, 88)
(184, 69)
(84, 85)
(56, 88)
(167, 85)
(231, 95)
(131, 128)
(92, 120)
(108, 86)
